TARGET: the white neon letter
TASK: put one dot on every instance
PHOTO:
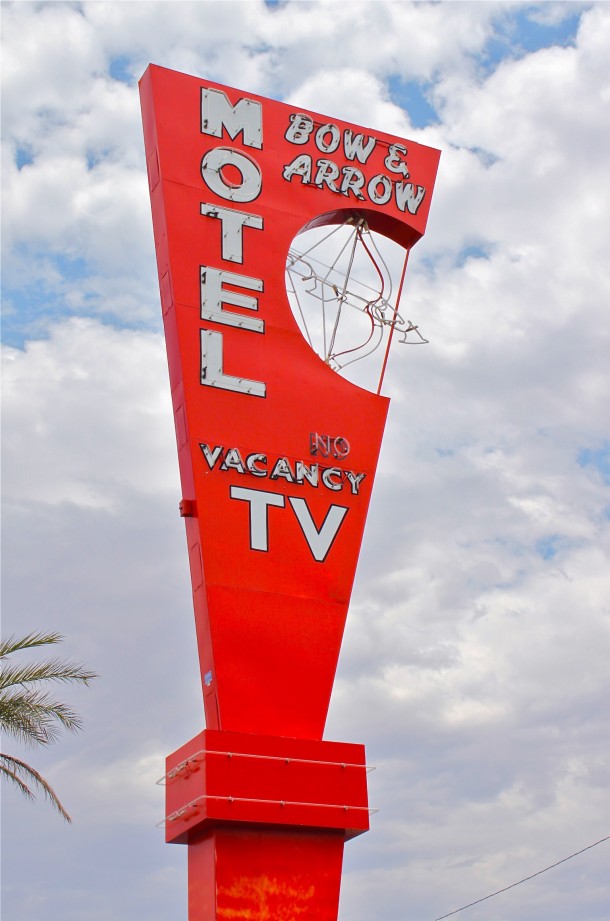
(353, 180)
(300, 166)
(318, 541)
(406, 196)
(394, 161)
(259, 519)
(212, 374)
(218, 113)
(232, 223)
(233, 461)
(328, 138)
(211, 456)
(299, 129)
(383, 197)
(252, 460)
(211, 173)
(354, 146)
(355, 480)
(327, 478)
(327, 172)
(213, 296)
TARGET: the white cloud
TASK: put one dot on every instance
(475, 660)
(89, 415)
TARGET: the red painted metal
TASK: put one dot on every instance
(265, 875)
(273, 525)
(224, 777)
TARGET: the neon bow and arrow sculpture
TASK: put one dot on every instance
(340, 288)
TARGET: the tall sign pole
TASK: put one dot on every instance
(277, 459)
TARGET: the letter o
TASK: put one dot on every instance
(383, 197)
(211, 173)
(335, 138)
(341, 446)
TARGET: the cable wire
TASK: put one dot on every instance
(512, 886)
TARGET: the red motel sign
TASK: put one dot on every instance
(277, 452)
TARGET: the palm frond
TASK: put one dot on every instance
(32, 716)
(6, 771)
(29, 641)
(20, 720)
(53, 670)
(15, 770)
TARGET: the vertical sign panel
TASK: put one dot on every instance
(277, 452)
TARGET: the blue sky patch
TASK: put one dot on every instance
(26, 313)
(520, 32)
(534, 34)
(599, 458)
(46, 289)
(72, 269)
(120, 69)
(29, 308)
(486, 157)
(549, 546)
(411, 96)
(23, 157)
(475, 251)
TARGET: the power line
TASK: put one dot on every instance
(512, 886)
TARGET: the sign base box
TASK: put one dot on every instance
(223, 778)
(265, 819)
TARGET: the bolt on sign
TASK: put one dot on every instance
(277, 458)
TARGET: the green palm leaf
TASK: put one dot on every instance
(30, 714)
(16, 770)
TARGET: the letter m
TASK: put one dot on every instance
(218, 113)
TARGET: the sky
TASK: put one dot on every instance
(475, 661)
